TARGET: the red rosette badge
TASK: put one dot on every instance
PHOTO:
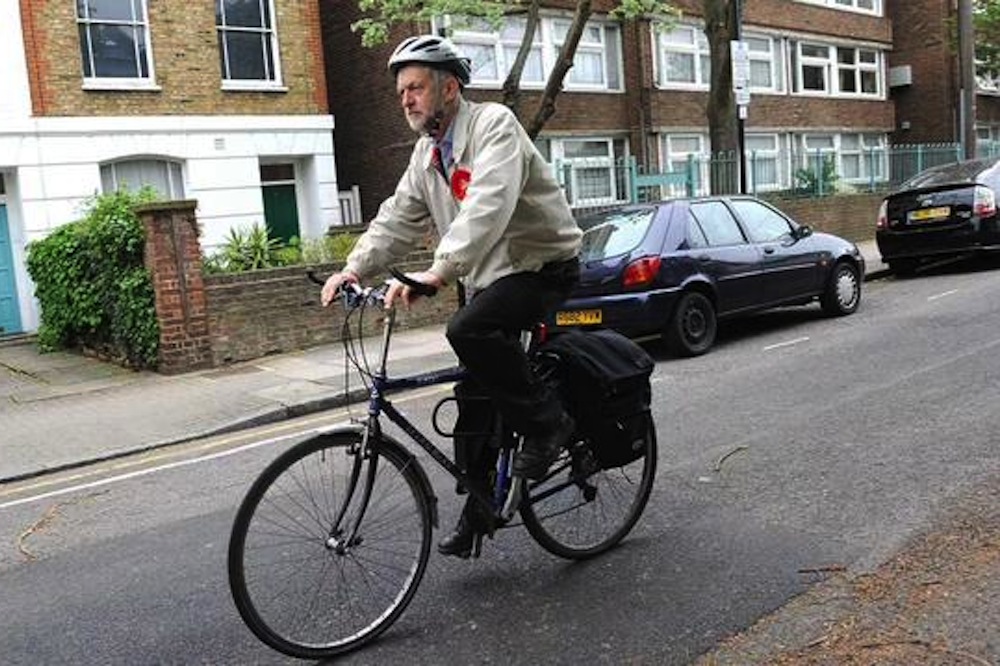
(460, 183)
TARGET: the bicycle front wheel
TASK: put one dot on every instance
(581, 510)
(304, 582)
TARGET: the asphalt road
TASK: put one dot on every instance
(801, 444)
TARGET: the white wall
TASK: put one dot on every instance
(53, 167)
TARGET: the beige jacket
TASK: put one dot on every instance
(511, 217)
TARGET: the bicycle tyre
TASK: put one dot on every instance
(298, 592)
(574, 526)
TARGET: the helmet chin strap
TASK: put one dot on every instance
(434, 124)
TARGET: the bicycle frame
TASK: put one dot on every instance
(379, 404)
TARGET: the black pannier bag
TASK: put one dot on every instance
(603, 379)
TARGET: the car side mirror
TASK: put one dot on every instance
(803, 231)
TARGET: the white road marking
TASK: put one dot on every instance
(787, 343)
(300, 428)
(942, 295)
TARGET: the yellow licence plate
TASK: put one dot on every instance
(578, 317)
(924, 214)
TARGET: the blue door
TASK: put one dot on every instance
(10, 319)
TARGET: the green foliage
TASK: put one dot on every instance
(254, 250)
(986, 21)
(92, 285)
(248, 250)
(819, 178)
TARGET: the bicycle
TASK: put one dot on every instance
(331, 541)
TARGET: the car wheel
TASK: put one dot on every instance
(843, 291)
(691, 331)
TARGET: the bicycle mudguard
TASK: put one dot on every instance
(388, 443)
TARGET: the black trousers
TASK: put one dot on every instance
(485, 337)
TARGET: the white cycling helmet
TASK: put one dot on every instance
(433, 51)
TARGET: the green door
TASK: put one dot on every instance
(10, 318)
(280, 211)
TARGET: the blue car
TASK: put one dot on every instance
(677, 267)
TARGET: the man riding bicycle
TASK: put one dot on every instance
(506, 232)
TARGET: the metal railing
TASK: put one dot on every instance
(595, 183)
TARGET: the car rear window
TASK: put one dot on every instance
(959, 172)
(614, 234)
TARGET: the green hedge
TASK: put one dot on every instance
(92, 286)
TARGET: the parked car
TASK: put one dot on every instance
(676, 267)
(944, 211)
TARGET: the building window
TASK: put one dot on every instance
(766, 66)
(248, 42)
(866, 6)
(858, 71)
(114, 40)
(854, 158)
(684, 61)
(683, 58)
(591, 170)
(763, 165)
(164, 176)
(597, 64)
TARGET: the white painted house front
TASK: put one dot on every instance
(239, 168)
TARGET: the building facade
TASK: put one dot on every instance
(817, 82)
(222, 102)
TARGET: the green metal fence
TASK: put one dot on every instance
(601, 183)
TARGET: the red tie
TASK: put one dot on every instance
(438, 162)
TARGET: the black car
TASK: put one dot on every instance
(675, 267)
(944, 211)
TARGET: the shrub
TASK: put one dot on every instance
(92, 286)
(255, 249)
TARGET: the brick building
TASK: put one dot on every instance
(924, 67)
(222, 102)
(825, 81)
(817, 83)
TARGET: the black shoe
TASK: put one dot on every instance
(540, 451)
(461, 542)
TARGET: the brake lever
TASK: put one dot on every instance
(419, 288)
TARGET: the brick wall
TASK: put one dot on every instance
(849, 215)
(214, 320)
(275, 311)
(373, 141)
(185, 55)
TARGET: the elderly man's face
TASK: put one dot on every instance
(421, 99)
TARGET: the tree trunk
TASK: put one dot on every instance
(721, 111)
(512, 84)
(547, 105)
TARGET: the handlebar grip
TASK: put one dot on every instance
(420, 288)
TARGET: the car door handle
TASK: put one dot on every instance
(704, 258)
(768, 250)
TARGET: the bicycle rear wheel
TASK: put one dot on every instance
(580, 510)
(299, 583)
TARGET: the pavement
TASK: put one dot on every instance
(937, 601)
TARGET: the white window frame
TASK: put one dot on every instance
(771, 156)
(860, 6)
(173, 171)
(685, 41)
(831, 68)
(674, 159)
(870, 150)
(774, 59)
(272, 66)
(547, 42)
(570, 167)
(143, 58)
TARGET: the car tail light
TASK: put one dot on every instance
(984, 203)
(641, 272)
(883, 215)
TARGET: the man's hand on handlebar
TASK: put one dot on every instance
(332, 286)
(408, 294)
